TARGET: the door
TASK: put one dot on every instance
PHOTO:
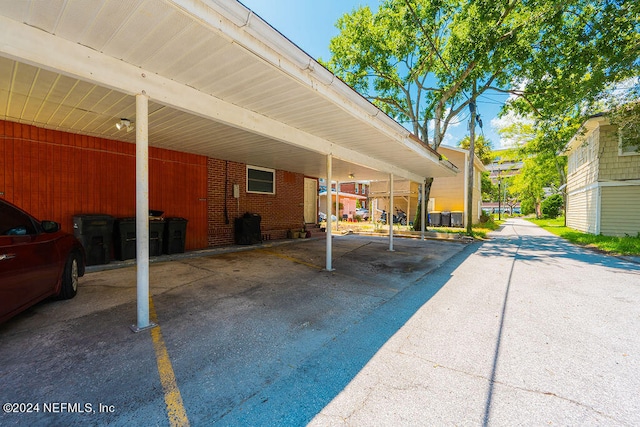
(310, 201)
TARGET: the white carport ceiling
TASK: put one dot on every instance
(221, 82)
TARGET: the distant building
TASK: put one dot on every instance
(447, 194)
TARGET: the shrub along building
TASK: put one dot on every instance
(218, 114)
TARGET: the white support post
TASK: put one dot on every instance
(423, 213)
(337, 205)
(390, 213)
(142, 212)
(329, 243)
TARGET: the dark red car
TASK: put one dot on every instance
(37, 261)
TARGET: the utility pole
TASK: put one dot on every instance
(472, 139)
(499, 198)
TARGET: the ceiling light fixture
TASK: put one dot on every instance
(351, 176)
(125, 124)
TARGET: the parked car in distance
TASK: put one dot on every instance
(37, 261)
(362, 213)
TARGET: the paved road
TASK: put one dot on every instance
(520, 330)
(528, 330)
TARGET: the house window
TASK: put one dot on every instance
(629, 139)
(261, 180)
(356, 187)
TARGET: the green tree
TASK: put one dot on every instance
(488, 187)
(541, 166)
(551, 206)
(592, 48)
(482, 148)
(424, 61)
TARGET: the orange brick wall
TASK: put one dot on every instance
(56, 175)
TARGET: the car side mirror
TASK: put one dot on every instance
(50, 226)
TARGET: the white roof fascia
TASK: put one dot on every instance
(30, 45)
(242, 26)
(476, 159)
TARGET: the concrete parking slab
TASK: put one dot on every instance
(259, 337)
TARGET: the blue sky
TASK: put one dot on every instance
(310, 24)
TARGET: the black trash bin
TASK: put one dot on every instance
(457, 219)
(434, 219)
(156, 236)
(175, 234)
(94, 232)
(247, 229)
(445, 219)
(125, 237)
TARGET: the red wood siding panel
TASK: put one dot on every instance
(56, 175)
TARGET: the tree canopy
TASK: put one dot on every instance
(418, 60)
(482, 148)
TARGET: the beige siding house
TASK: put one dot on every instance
(603, 182)
(446, 195)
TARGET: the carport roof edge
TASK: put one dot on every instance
(342, 122)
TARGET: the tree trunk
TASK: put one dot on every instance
(417, 221)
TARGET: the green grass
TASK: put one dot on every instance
(478, 231)
(613, 245)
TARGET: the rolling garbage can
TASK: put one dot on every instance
(434, 219)
(247, 229)
(456, 219)
(156, 235)
(124, 238)
(445, 219)
(94, 231)
(175, 231)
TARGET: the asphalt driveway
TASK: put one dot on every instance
(259, 337)
(528, 330)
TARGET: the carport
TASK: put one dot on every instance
(200, 76)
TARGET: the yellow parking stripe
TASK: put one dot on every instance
(172, 398)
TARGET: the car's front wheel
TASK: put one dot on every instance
(70, 275)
